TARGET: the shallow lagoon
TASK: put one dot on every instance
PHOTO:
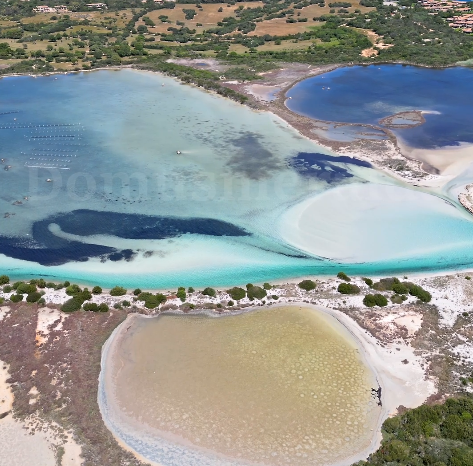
(366, 94)
(213, 215)
(221, 391)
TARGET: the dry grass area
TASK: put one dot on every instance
(279, 27)
(209, 16)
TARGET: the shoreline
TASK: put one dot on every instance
(396, 388)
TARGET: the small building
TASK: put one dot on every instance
(97, 6)
(44, 9)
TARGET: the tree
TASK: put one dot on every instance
(307, 285)
(236, 293)
(209, 292)
(117, 291)
(96, 290)
(348, 288)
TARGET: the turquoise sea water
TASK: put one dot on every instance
(122, 207)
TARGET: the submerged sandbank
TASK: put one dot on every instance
(223, 391)
(372, 222)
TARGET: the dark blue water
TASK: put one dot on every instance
(365, 94)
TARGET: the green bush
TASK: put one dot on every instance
(137, 292)
(16, 298)
(126, 303)
(190, 290)
(377, 299)
(4, 279)
(73, 290)
(256, 292)
(418, 292)
(230, 303)
(41, 301)
(66, 284)
(275, 296)
(343, 276)
(25, 288)
(84, 295)
(94, 307)
(348, 288)
(209, 292)
(181, 293)
(236, 293)
(72, 305)
(151, 301)
(385, 284)
(267, 286)
(97, 290)
(117, 291)
(397, 299)
(307, 285)
(117, 306)
(33, 297)
(368, 281)
(400, 288)
(103, 307)
(51, 285)
(41, 283)
(7, 289)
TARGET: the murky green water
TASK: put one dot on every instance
(275, 386)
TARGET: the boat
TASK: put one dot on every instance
(178, 152)
(49, 180)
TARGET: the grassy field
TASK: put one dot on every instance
(209, 16)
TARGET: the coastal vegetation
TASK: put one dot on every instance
(237, 293)
(348, 288)
(307, 285)
(430, 435)
(343, 276)
(247, 38)
(371, 300)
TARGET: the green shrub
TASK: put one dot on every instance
(181, 293)
(25, 288)
(230, 303)
(209, 292)
(307, 285)
(16, 298)
(343, 276)
(190, 290)
(73, 290)
(236, 293)
(103, 307)
(72, 305)
(4, 279)
(97, 290)
(66, 284)
(41, 301)
(33, 297)
(51, 285)
(151, 301)
(117, 291)
(368, 281)
(267, 286)
(397, 299)
(84, 295)
(275, 296)
(7, 289)
(2, 300)
(371, 300)
(117, 306)
(126, 303)
(256, 292)
(59, 286)
(400, 288)
(418, 292)
(41, 283)
(348, 288)
(385, 284)
(94, 307)
(137, 292)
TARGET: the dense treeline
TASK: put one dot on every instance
(438, 435)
